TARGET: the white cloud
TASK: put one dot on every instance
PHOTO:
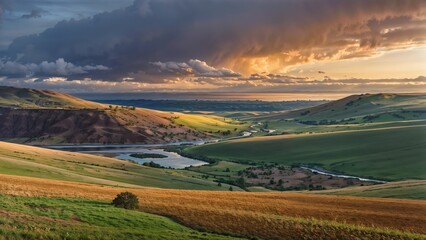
(194, 67)
(58, 68)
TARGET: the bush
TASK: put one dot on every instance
(126, 200)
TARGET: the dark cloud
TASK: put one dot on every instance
(35, 13)
(3, 7)
(242, 35)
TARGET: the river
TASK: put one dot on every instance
(324, 172)
(123, 152)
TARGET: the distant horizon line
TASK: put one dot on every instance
(225, 96)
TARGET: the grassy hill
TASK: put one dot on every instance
(68, 218)
(32, 98)
(410, 189)
(391, 153)
(33, 204)
(16, 159)
(360, 109)
(46, 117)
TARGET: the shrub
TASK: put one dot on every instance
(126, 200)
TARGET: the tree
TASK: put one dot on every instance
(219, 184)
(231, 189)
(126, 200)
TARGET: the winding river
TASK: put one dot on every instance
(172, 159)
(324, 172)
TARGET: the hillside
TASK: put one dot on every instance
(410, 189)
(252, 215)
(46, 117)
(391, 153)
(22, 160)
(362, 108)
(11, 97)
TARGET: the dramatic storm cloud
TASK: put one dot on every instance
(243, 35)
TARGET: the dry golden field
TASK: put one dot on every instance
(263, 215)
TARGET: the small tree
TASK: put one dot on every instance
(219, 184)
(231, 189)
(126, 200)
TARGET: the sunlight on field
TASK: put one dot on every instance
(210, 123)
(16, 159)
(266, 215)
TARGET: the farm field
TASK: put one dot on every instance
(392, 153)
(264, 215)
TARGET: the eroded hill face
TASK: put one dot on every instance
(47, 117)
(121, 126)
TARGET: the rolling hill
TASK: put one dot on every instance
(362, 108)
(22, 160)
(11, 97)
(46, 117)
(409, 189)
(34, 203)
(391, 153)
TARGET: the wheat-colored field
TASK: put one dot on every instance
(264, 215)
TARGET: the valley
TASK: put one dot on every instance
(212, 120)
(214, 175)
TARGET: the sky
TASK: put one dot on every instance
(264, 46)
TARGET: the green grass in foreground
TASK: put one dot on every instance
(66, 218)
(388, 153)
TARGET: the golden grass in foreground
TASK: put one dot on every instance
(265, 215)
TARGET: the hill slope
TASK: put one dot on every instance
(360, 108)
(46, 117)
(254, 215)
(22, 160)
(391, 153)
(410, 189)
(32, 98)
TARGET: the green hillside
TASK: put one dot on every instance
(68, 218)
(392, 153)
(363, 108)
(21, 160)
